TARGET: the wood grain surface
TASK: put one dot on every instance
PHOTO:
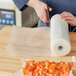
(10, 63)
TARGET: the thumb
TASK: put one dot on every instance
(50, 9)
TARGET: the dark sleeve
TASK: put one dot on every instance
(21, 4)
(45, 1)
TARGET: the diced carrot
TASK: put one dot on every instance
(52, 70)
(65, 66)
(58, 72)
(51, 74)
(62, 62)
(66, 72)
(37, 74)
(46, 68)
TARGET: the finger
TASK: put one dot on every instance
(44, 20)
(45, 6)
(70, 22)
(44, 17)
(50, 9)
(62, 13)
(66, 17)
(66, 13)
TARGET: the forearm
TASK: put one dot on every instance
(20, 3)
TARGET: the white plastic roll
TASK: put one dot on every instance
(60, 43)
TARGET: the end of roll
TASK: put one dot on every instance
(60, 48)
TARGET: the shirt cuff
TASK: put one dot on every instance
(21, 4)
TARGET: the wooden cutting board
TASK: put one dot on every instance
(6, 74)
(10, 63)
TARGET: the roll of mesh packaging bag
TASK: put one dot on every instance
(60, 42)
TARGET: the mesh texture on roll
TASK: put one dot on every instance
(60, 42)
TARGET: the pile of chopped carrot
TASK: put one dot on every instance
(46, 68)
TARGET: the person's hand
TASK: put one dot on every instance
(40, 8)
(69, 18)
